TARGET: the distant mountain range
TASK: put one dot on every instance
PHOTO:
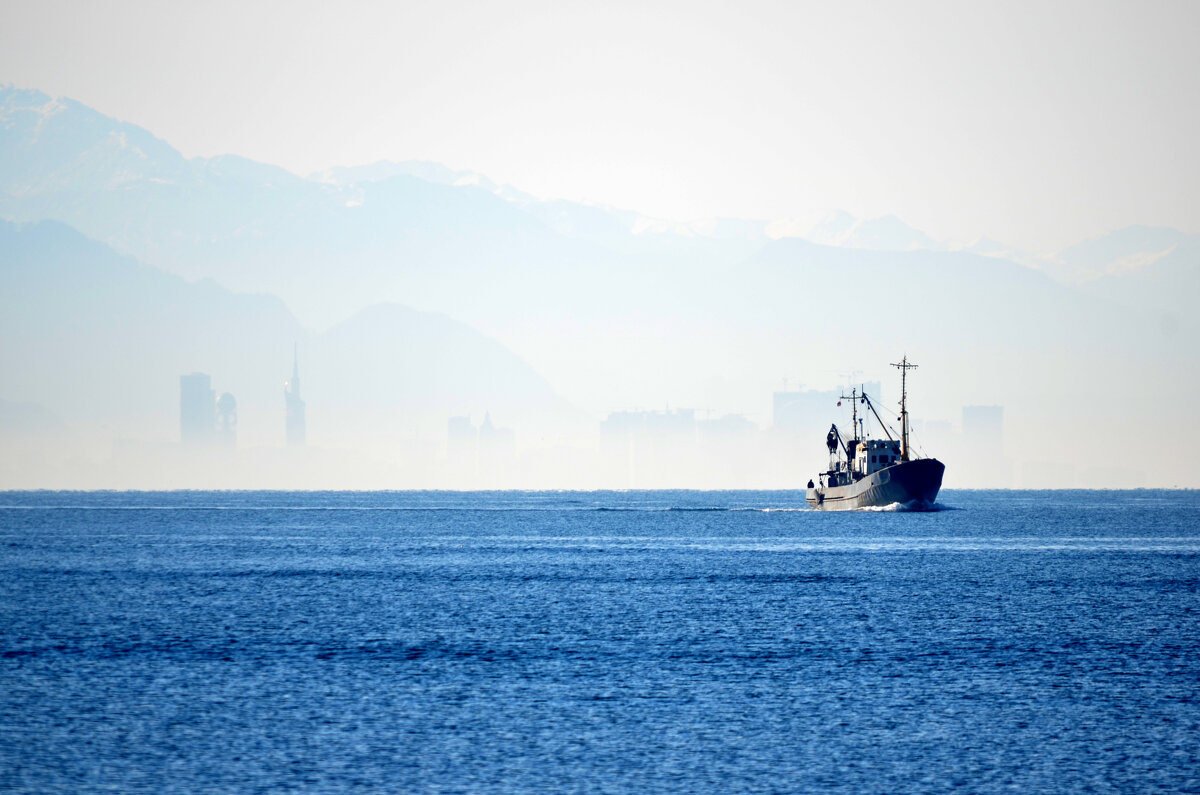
(254, 226)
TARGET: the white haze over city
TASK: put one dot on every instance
(623, 232)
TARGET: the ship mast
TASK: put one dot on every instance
(904, 367)
(853, 398)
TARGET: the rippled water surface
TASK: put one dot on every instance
(598, 642)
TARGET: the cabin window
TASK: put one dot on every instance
(873, 459)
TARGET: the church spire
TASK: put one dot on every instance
(295, 405)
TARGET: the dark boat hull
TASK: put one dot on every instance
(914, 483)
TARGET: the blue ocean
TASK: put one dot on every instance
(690, 642)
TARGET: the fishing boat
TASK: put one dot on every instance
(867, 473)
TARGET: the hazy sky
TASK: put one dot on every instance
(1037, 124)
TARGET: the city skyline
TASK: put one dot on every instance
(637, 448)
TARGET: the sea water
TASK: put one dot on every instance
(598, 642)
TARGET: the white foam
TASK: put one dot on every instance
(906, 507)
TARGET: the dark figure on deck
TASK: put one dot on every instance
(810, 483)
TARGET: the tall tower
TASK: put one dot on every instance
(295, 406)
(197, 410)
(227, 420)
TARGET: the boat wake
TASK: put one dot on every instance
(914, 506)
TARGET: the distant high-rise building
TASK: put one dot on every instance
(197, 409)
(648, 445)
(677, 425)
(497, 447)
(295, 406)
(810, 412)
(462, 444)
(983, 427)
(983, 463)
(728, 427)
(227, 420)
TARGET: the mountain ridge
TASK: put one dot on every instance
(124, 331)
